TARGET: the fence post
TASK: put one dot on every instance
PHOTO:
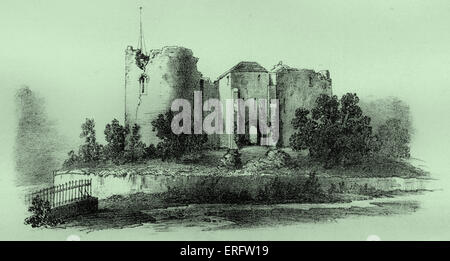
(76, 189)
(52, 194)
(68, 192)
(63, 186)
(71, 190)
(84, 188)
(58, 195)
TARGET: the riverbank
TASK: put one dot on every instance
(127, 212)
(262, 173)
(268, 188)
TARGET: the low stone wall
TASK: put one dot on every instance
(109, 185)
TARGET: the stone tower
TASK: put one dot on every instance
(154, 79)
(297, 88)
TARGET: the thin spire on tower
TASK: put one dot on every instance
(141, 42)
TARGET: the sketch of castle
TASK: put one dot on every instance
(154, 79)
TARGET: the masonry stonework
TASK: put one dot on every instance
(295, 89)
(171, 73)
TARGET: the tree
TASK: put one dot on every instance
(134, 148)
(381, 110)
(115, 137)
(173, 145)
(38, 145)
(90, 151)
(334, 131)
(393, 139)
(72, 160)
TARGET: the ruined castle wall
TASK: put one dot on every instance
(251, 84)
(295, 89)
(225, 92)
(172, 73)
(210, 91)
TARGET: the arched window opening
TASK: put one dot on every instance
(143, 83)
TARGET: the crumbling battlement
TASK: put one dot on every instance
(154, 80)
(171, 73)
(297, 88)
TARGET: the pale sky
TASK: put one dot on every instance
(72, 52)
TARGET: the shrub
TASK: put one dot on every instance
(335, 131)
(115, 137)
(134, 148)
(90, 151)
(41, 214)
(173, 145)
(123, 146)
(151, 152)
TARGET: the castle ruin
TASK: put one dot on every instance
(154, 79)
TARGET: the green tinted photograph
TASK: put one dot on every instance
(224, 120)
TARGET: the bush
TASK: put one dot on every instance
(173, 145)
(335, 131)
(90, 151)
(115, 137)
(41, 214)
(151, 152)
(135, 150)
(123, 146)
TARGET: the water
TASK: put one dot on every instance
(429, 222)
